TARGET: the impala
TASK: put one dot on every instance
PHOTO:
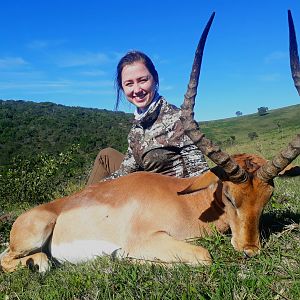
(153, 220)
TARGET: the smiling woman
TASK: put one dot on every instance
(138, 85)
(157, 142)
(136, 73)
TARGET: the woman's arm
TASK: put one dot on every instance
(128, 165)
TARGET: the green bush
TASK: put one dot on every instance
(6, 221)
(252, 135)
(36, 180)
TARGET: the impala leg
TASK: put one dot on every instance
(164, 248)
(29, 235)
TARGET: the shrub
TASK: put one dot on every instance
(36, 180)
(6, 221)
(252, 135)
(228, 142)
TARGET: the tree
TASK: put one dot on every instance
(239, 113)
(262, 110)
(252, 135)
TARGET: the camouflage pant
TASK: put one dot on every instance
(107, 161)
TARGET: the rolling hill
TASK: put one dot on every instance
(28, 128)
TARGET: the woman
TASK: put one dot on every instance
(157, 142)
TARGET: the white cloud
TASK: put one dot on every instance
(42, 44)
(164, 88)
(272, 77)
(275, 56)
(93, 92)
(93, 73)
(158, 60)
(10, 62)
(33, 85)
(20, 74)
(47, 85)
(83, 59)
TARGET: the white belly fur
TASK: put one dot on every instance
(82, 250)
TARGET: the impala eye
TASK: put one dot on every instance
(230, 198)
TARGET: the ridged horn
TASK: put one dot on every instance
(190, 95)
(272, 168)
(294, 57)
(233, 170)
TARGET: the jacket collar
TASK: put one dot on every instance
(148, 118)
(140, 113)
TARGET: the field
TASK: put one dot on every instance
(274, 274)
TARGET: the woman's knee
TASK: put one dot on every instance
(106, 151)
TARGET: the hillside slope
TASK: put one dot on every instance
(28, 128)
(284, 120)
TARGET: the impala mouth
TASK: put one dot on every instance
(250, 251)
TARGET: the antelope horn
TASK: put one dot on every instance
(190, 95)
(233, 170)
(272, 168)
(294, 58)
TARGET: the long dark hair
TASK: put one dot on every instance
(128, 59)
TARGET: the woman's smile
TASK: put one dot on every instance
(138, 84)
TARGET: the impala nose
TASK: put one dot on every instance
(250, 251)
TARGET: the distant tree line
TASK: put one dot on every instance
(28, 128)
(263, 110)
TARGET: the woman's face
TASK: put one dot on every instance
(138, 84)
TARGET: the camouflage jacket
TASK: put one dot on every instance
(157, 143)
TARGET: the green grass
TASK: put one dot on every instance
(274, 274)
(266, 127)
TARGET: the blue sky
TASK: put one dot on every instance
(67, 51)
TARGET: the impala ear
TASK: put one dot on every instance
(200, 183)
(290, 171)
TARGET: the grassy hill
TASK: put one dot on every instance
(28, 128)
(284, 120)
(274, 130)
